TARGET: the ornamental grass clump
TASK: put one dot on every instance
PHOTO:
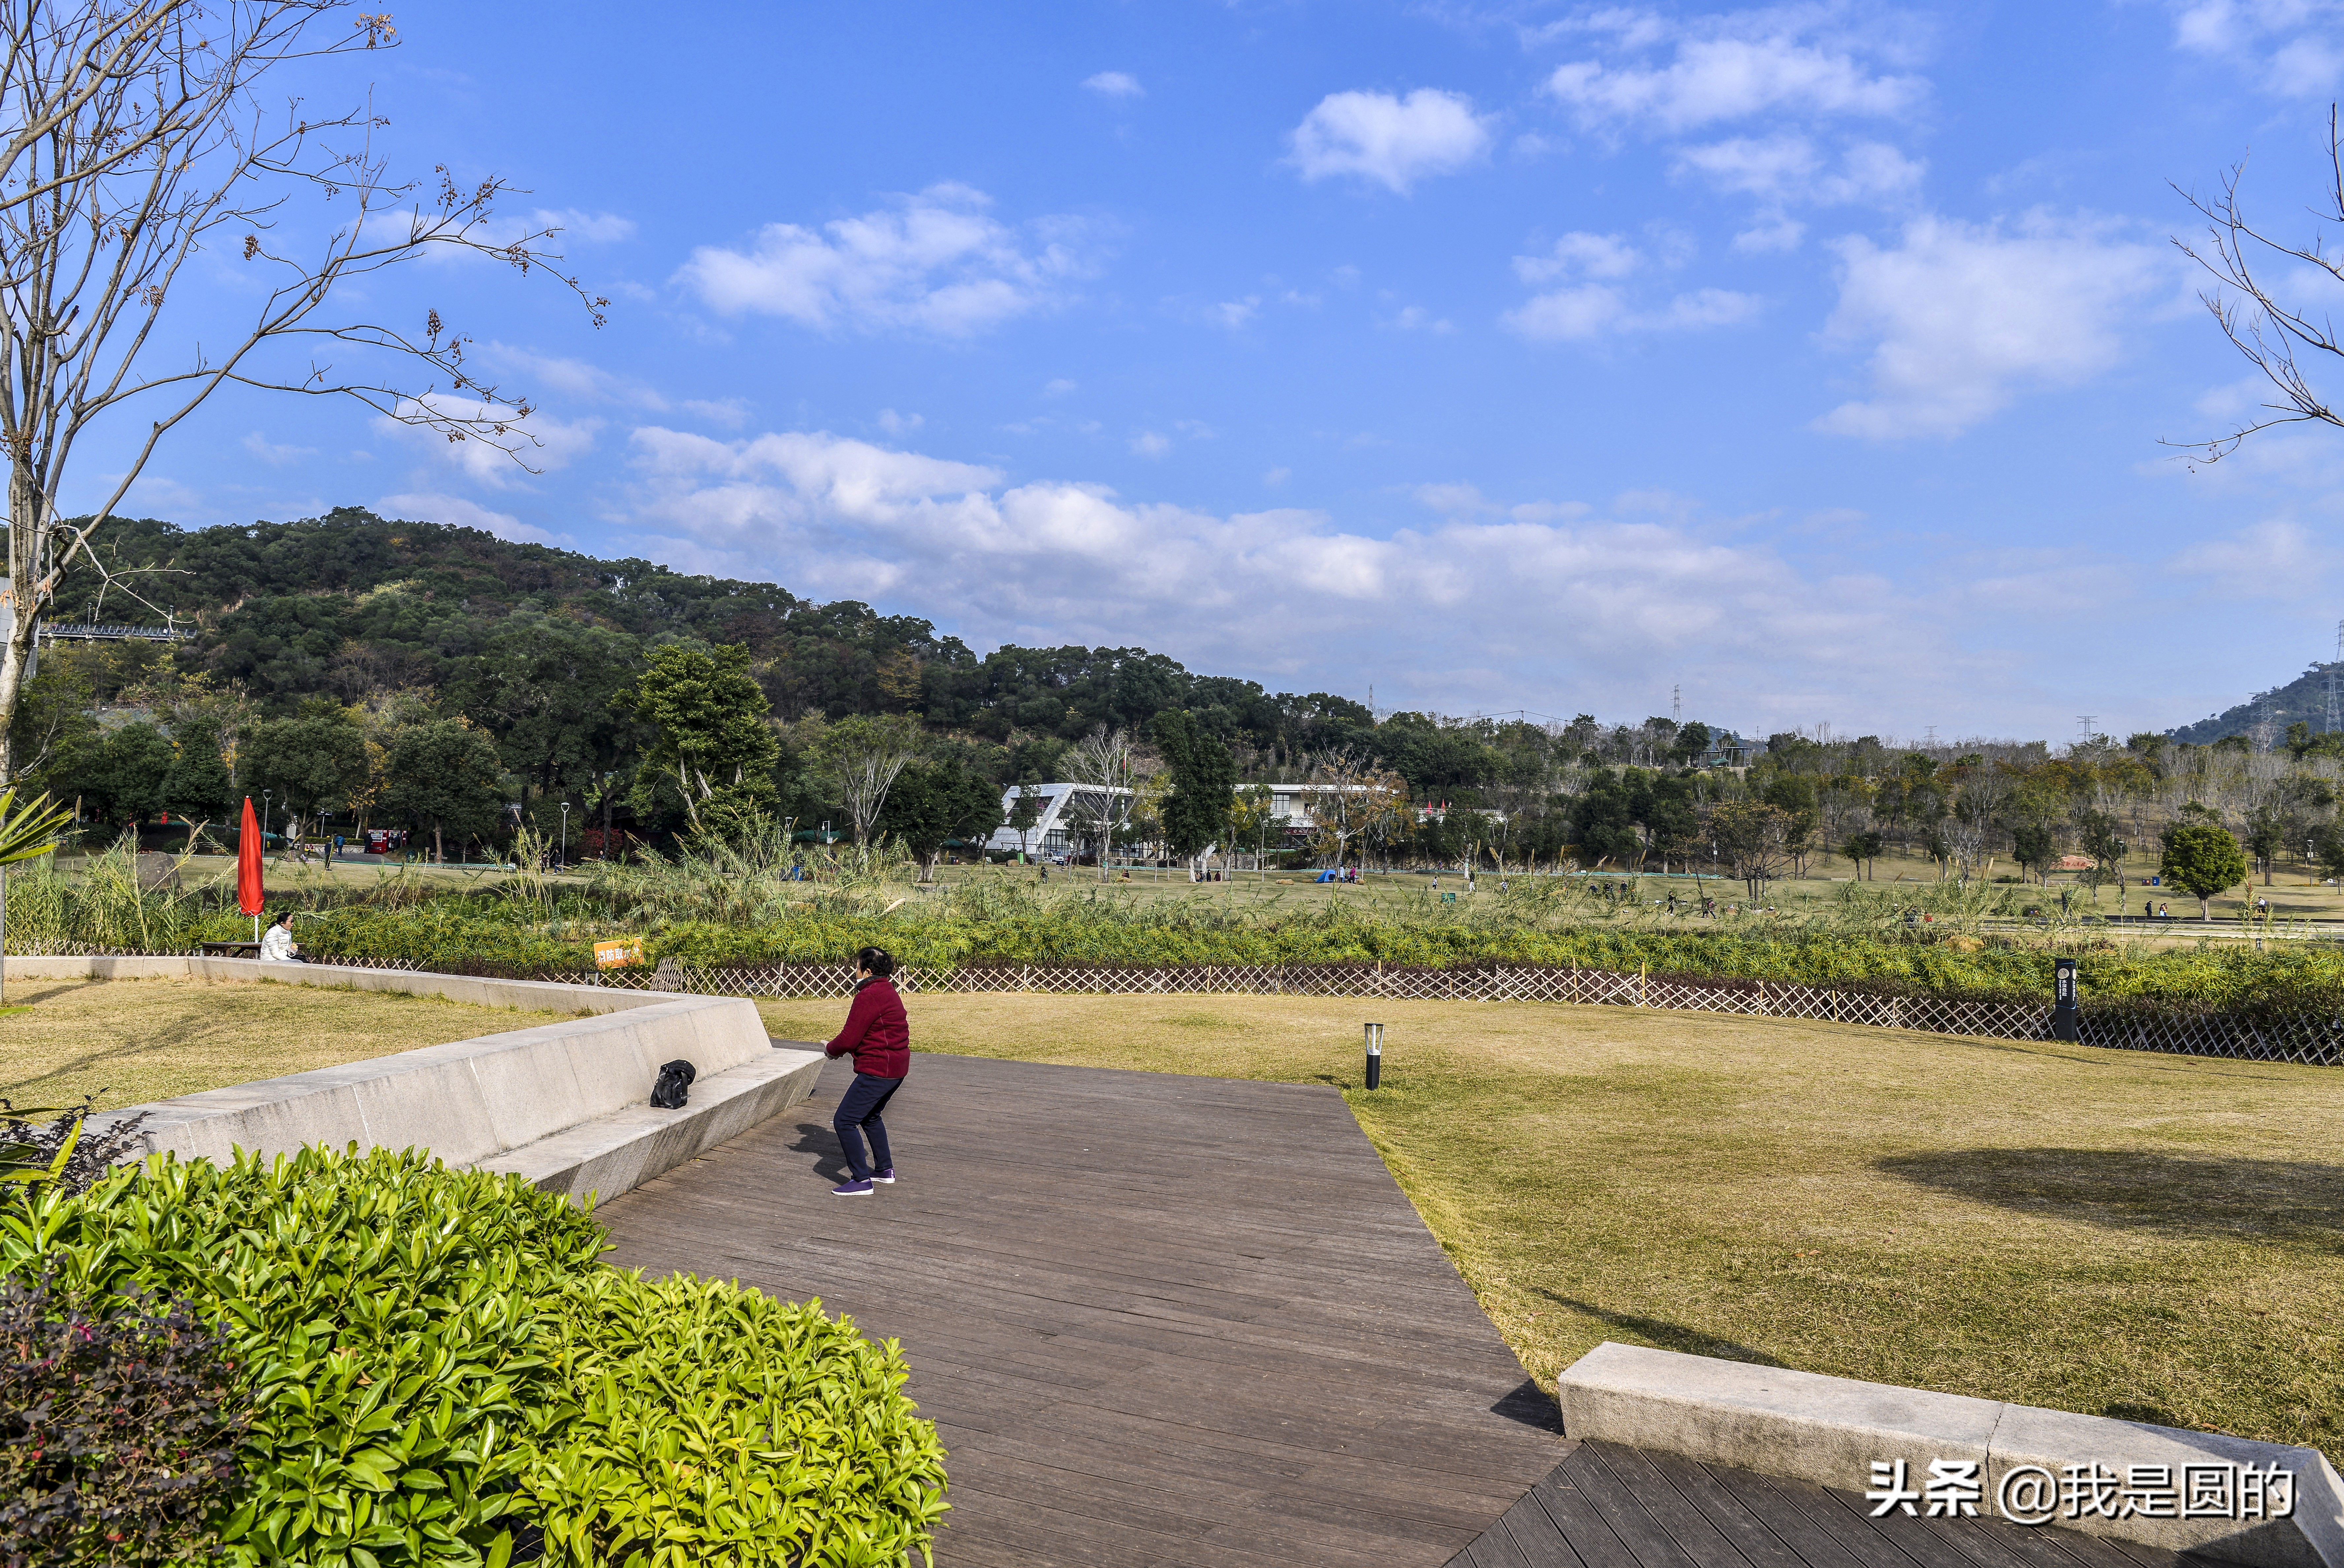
(439, 1367)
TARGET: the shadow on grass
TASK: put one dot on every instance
(2175, 1195)
(1667, 1336)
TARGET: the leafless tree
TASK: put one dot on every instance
(1349, 796)
(2255, 313)
(864, 756)
(135, 148)
(1105, 762)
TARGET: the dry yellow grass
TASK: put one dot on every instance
(131, 1040)
(2144, 1236)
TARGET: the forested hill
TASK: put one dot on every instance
(2303, 700)
(349, 605)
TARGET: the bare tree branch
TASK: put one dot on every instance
(134, 143)
(2258, 323)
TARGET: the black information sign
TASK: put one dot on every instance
(2064, 1017)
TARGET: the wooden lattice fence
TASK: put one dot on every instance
(2178, 1028)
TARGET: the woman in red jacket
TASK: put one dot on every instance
(879, 1037)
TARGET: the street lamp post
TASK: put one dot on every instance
(563, 858)
(264, 817)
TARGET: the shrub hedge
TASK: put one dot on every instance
(484, 933)
(438, 1365)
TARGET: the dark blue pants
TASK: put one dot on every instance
(859, 1108)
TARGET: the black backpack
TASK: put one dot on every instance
(673, 1087)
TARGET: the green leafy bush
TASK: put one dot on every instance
(425, 1349)
(715, 1424)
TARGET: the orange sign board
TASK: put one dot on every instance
(618, 955)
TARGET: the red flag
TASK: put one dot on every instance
(248, 862)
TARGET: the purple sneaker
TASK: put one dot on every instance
(852, 1189)
(887, 1176)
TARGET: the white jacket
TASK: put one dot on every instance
(276, 943)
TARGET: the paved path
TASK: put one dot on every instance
(1159, 1319)
(1192, 1321)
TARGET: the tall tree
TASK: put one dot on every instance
(2202, 859)
(933, 802)
(199, 784)
(711, 741)
(863, 755)
(443, 775)
(1204, 784)
(546, 687)
(145, 142)
(310, 763)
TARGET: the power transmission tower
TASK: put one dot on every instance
(2334, 722)
(1676, 696)
(2083, 722)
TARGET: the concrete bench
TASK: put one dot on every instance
(1832, 1430)
(565, 1104)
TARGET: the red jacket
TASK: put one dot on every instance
(877, 1034)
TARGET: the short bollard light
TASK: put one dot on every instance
(2064, 1017)
(1375, 1056)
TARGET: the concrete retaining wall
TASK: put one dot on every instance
(565, 1104)
(1832, 1431)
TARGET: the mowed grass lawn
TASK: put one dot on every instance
(2148, 1237)
(126, 1041)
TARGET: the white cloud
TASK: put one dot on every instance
(1963, 317)
(1276, 476)
(1589, 254)
(2273, 559)
(1150, 444)
(545, 443)
(1585, 308)
(1058, 387)
(1393, 141)
(274, 455)
(729, 413)
(936, 262)
(1732, 67)
(1773, 231)
(1234, 313)
(430, 506)
(1491, 603)
(1116, 85)
(572, 378)
(896, 424)
(1787, 168)
(2291, 45)
(1417, 319)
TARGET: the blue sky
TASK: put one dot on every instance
(1812, 358)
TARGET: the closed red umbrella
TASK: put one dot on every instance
(248, 867)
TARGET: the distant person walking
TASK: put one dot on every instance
(878, 1036)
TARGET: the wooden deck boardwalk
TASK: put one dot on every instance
(1193, 1322)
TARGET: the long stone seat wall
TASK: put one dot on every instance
(565, 1104)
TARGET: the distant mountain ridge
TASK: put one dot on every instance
(2303, 700)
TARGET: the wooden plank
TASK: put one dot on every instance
(1788, 1521)
(1536, 1536)
(1852, 1528)
(1578, 1521)
(1630, 1521)
(1743, 1537)
(1136, 1352)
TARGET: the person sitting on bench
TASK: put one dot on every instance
(277, 942)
